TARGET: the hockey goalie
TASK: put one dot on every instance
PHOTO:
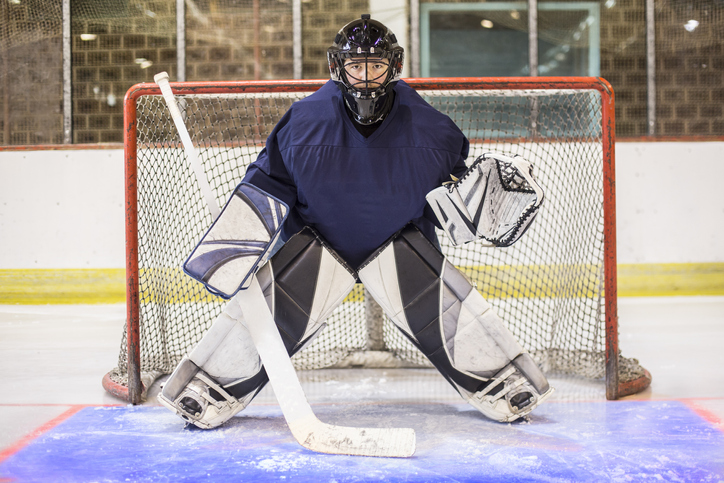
(350, 187)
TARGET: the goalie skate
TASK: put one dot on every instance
(510, 395)
(201, 401)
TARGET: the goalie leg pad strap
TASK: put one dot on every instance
(303, 283)
(435, 305)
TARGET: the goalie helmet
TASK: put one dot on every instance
(365, 61)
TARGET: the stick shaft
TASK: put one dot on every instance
(162, 82)
(273, 354)
(309, 431)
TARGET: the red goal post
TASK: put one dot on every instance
(526, 100)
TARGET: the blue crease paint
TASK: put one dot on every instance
(617, 441)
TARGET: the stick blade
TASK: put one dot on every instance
(380, 442)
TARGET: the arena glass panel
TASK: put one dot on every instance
(491, 39)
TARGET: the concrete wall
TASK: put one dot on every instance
(670, 202)
(62, 209)
(65, 209)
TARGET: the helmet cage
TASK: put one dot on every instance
(370, 87)
(366, 41)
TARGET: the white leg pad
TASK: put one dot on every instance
(476, 338)
(454, 326)
(380, 278)
(302, 285)
(334, 283)
(227, 352)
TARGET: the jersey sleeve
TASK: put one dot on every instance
(269, 172)
(457, 171)
(460, 166)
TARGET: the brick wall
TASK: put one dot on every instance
(31, 73)
(623, 62)
(239, 42)
(139, 40)
(321, 20)
(110, 53)
(689, 68)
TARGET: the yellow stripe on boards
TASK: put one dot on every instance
(63, 286)
(536, 281)
(108, 286)
(670, 279)
(634, 280)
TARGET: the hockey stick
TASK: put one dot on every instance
(309, 431)
(306, 428)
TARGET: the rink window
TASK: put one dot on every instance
(491, 39)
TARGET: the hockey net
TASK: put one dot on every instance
(555, 288)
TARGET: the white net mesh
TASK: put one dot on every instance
(548, 287)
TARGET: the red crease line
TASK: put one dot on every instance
(39, 431)
(705, 414)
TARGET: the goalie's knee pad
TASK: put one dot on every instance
(440, 311)
(302, 283)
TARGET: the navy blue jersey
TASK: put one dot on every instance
(358, 191)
